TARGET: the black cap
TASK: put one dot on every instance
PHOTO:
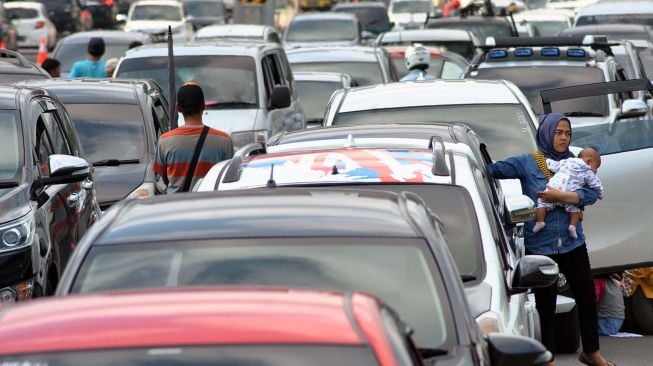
(190, 96)
(96, 46)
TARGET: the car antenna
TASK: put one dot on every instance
(334, 171)
(271, 183)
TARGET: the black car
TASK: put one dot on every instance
(65, 14)
(103, 13)
(379, 242)
(480, 26)
(372, 15)
(15, 67)
(74, 47)
(201, 13)
(47, 196)
(118, 123)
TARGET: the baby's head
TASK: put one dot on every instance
(591, 157)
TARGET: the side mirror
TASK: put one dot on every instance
(508, 349)
(534, 271)
(64, 169)
(519, 209)
(280, 97)
(633, 108)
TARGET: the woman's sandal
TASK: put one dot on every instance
(583, 358)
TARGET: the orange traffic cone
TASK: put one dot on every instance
(43, 51)
(3, 44)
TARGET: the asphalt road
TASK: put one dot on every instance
(622, 351)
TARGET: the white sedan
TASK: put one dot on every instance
(32, 23)
(154, 16)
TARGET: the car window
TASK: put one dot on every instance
(623, 135)
(362, 73)
(11, 155)
(411, 6)
(400, 271)
(451, 70)
(69, 130)
(109, 131)
(57, 138)
(160, 117)
(156, 13)
(480, 31)
(321, 30)
(372, 18)
(285, 67)
(211, 73)
(43, 148)
(210, 8)
(314, 96)
(646, 19)
(21, 13)
(531, 80)
(505, 128)
(463, 48)
(69, 53)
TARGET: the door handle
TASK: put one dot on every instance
(87, 184)
(72, 199)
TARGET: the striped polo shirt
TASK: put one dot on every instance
(175, 151)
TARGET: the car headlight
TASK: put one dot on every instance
(242, 138)
(488, 322)
(17, 234)
(144, 190)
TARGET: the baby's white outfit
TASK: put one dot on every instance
(571, 175)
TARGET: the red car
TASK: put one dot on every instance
(205, 327)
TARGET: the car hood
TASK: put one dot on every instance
(402, 18)
(114, 183)
(151, 26)
(229, 120)
(14, 202)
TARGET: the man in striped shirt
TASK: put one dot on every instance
(176, 148)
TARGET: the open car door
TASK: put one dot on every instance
(619, 228)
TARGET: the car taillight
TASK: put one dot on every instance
(40, 24)
(85, 14)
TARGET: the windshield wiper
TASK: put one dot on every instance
(583, 114)
(467, 278)
(115, 162)
(231, 104)
(431, 352)
(8, 185)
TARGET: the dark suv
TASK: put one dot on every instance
(47, 197)
(67, 15)
(119, 123)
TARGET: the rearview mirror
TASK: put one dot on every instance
(280, 97)
(506, 349)
(633, 108)
(519, 209)
(534, 271)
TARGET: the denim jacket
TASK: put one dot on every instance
(554, 237)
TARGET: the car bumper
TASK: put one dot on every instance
(17, 275)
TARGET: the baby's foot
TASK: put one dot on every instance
(572, 231)
(538, 226)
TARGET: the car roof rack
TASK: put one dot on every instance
(596, 42)
(439, 164)
(22, 61)
(235, 166)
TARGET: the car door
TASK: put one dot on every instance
(58, 201)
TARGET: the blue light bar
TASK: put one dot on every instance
(550, 52)
(576, 52)
(498, 54)
(523, 52)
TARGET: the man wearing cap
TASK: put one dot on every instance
(183, 155)
(93, 67)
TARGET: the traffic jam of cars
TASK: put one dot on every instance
(324, 182)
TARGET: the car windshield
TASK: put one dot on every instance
(14, 78)
(362, 73)
(463, 48)
(204, 8)
(109, 131)
(401, 271)
(156, 12)
(314, 96)
(374, 19)
(481, 31)
(533, 79)
(646, 19)
(21, 13)
(409, 6)
(321, 30)
(69, 53)
(11, 154)
(438, 67)
(212, 73)
(550, 28)
(505, 128)
(200, 355)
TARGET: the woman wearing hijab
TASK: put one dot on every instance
(553, 139)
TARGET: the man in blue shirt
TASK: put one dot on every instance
(93, 67)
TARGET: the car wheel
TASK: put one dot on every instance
(567, 331)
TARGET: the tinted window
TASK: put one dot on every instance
(362, 73)
(409, 6)
(14, 78)
(313, 96)
(481, 31)
(204, 8)
(213, 73)
(21, 13)
(238, 355)
(627, 135)
(109, 131)
(156, 12)
(69, 53)
(533, 79)
(646, 56)
(506, 129)
(10, 146)
(549, 28)
(399, 270)
(321, 30)
(373, 19)
(646, 19)
(59, 143)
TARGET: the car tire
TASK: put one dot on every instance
(567, 331)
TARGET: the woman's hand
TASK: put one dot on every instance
(552, 195)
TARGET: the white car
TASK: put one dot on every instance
(248, 32)
(547, 22)
(615, 12)
(154, 17)
(409, 14)
(32, 23)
